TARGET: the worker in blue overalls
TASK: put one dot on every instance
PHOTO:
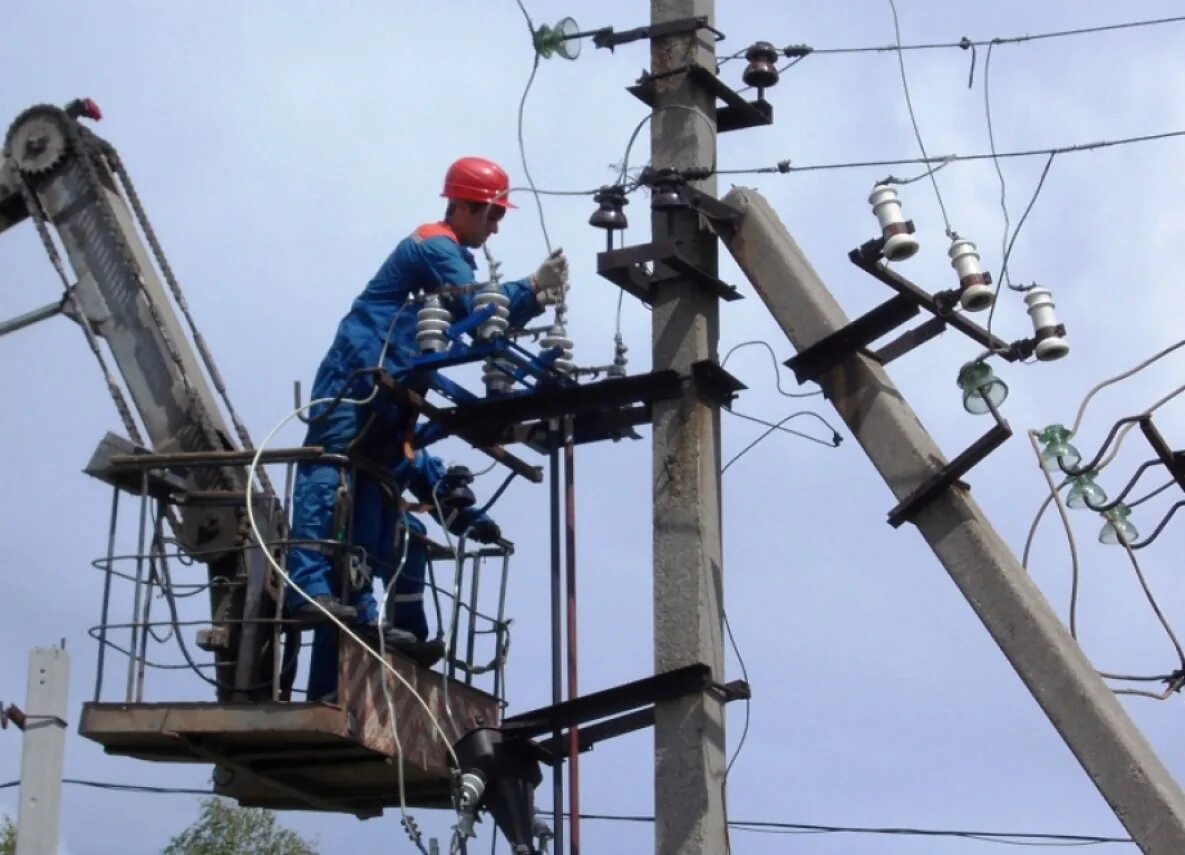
(380, 330)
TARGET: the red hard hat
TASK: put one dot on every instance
(475, 179)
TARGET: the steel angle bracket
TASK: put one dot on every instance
(625, 268)
(913, 504)
(715, 384)
(737, 114)
(626, 708)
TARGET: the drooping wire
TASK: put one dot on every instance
(1126, 429)
(625, 160)
(987, 106)
(913, 117)
(1118, 377)
(745, 676)
(777, 426)
(777, 368)
(1152, 600)
(1012, 241)
(522, 148)
(1055, 497)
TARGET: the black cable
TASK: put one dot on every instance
(966, 43)
(745, 675)
(987, 107)
(777, 367)
(126, 788)
(1008, 250)
(497, 493)
(836, 439)
(914, 119)
(1018, 838)
(785, 167)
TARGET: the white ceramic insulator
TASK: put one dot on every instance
(500, 320)
(887, 207)
(432, 322)
(497, 381)
(1041, 310)
(964, 258)
(557, 336)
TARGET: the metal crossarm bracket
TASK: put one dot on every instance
(715, 383)
(943, 306)
(607, 38)
(932, 487)
(624, 268)
(825, 354)
(619, 725)
(628, 696)
(737, 115)
(1173, 461)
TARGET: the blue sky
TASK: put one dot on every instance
(282, 149)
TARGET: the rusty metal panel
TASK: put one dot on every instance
(369, 718)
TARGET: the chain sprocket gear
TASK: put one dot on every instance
(39, 139)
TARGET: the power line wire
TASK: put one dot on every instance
(1020, 838)
(785, 167)
(522, 148)
(965, 43)
(913, 117)
(1017, 838)
(124, 788)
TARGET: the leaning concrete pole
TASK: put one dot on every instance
(1085, 712)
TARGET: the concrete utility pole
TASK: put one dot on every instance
(1085, 712)
(42, 752)
(689, 732)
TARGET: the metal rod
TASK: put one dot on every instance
(455, 614)
(570, 581)
(435, 592)
(138, 579)
(557, 679)
(146, 614)
(106, 607)
(282, 586)
(471, 642)
(500, 631)
(30, 318)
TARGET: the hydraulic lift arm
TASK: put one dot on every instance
(71, 183)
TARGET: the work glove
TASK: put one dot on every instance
(486, 531)
(550, 281)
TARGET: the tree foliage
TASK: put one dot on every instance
(224, 828)
(7, 836)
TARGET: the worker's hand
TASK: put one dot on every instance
(486, 531)
(550, 281)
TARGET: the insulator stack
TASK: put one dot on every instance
(617, 369)
(500, 320)
(432, 323)
(557, 336)
(498, 381)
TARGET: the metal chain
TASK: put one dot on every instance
(84, 148)
(117, 166)
(37, 215)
